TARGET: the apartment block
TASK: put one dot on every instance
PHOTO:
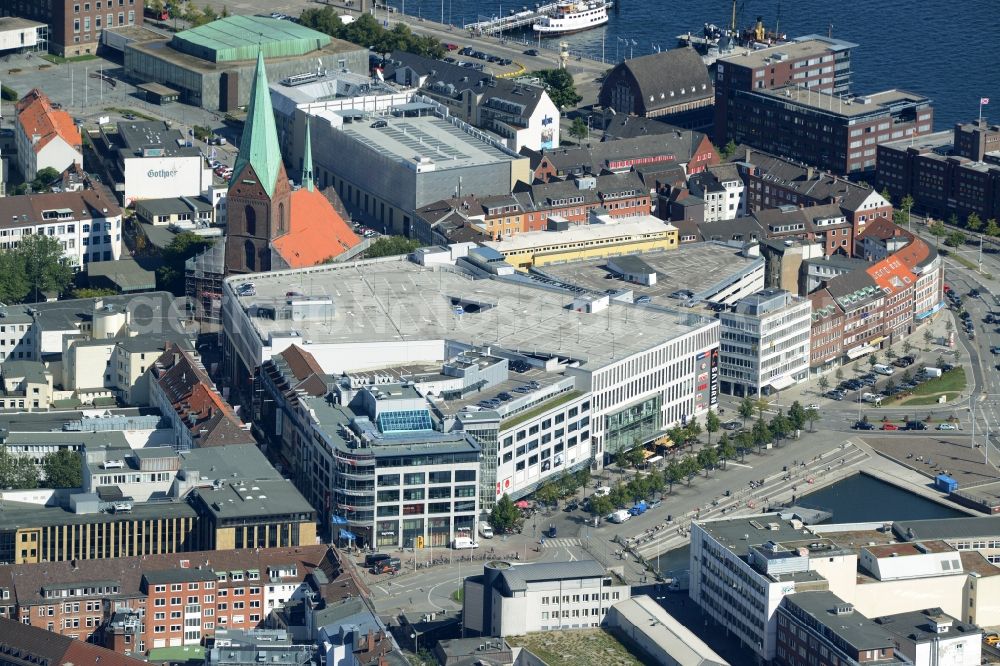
(134, 604)
(87, 224)
(75, 26)
(764, 343)
(947, 173)
(814, 62)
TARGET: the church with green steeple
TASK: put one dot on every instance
(271, 226)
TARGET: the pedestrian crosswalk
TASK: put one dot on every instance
(560, 543)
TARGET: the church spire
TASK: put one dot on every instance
(307, 160)
(259, 143)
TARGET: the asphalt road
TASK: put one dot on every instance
(428, 589)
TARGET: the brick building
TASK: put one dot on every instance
(772, 181)
(839, 134)
(528, 208)
(75, 26)
(692, 150)
(135, 604)
(825, 224)
(815, 62)
(956, 172)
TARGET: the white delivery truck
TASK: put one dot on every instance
(873, 398)
(619, 516)
(460, 543)
(485, 531)
(882, 369)
(933, 372)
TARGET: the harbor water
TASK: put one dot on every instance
(857, 499)
(944, 50)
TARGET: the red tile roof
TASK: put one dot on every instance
(892, 275)
(210, 419)
(36, 115)
(318, 232)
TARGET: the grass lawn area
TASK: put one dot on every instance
(457, 595)
(576, 646)
(950, 384)
(58, 60)
(544, 407)
(178, 654)
(928, 400)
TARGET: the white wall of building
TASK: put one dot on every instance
(18, 38)
(877, 598)
(165, 177)
(542, 131)
(57, 154)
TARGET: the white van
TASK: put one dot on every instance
(882, 369)
(485, 530)
(460, 543)
(619, 516)
(603, 491)
(874, 398)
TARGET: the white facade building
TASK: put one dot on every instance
(511, 599)
(87, 223)
(154, 161)
(45, 137)
(723, 191)
(765, 343)
(645, 368)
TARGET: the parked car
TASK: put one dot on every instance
(378, 124)
(863, 425)
(947, 426)
(890, 426)
(915, 425)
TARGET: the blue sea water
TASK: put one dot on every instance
(949, 51)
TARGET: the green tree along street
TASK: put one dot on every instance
(796, 415)
(726, 449)
(170, 276)
(812, 415)
(62, 469)
(32, 269)
(505, 517)
(600, 505)
(17, 472)
(368, 32)
(391, 246)
(578, 129)
(938, 230)
(955, 239)
(973, 222)
(560, 86)
(746, 409)
(712, 424)
(673, 474)
(548, 493)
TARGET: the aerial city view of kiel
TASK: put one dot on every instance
(480, 333)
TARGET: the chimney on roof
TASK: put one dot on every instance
(809, 173)
(371, 642)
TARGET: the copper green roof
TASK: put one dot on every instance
(259, 143)
(237, 38)
(307, 161)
